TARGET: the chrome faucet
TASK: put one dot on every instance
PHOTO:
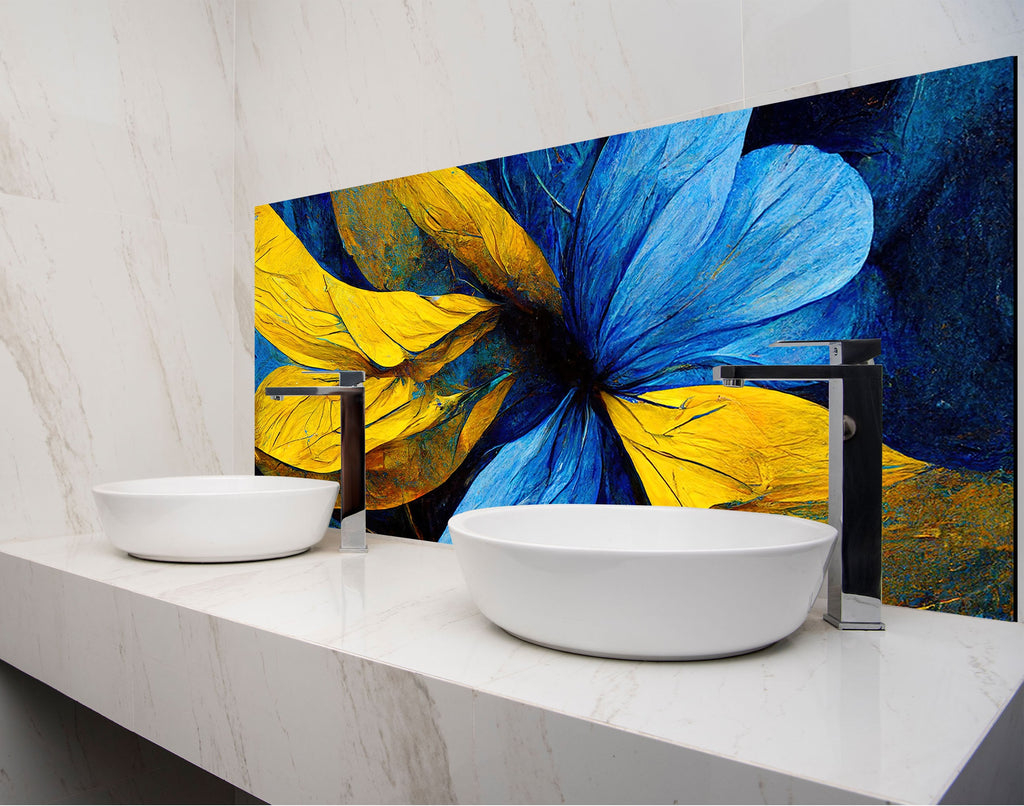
(854, 470)
(353, 450)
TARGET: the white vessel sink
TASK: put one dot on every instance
(640, 582)
(209, 519)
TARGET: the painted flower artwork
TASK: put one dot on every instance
(541, 328)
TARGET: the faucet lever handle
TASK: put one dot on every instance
(346, 377)
(351, 377)
(842, 351)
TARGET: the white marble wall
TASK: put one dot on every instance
(116, 320)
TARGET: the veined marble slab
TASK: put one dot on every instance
(343, 678)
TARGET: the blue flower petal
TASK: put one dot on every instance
(564, 460)
(639, 177)
(797, 227)
(834, 317)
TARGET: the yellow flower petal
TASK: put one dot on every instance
(419, 439)
(415, 437)
(395, 327)
(269, 466)
(466, 220)
(300, 431)
(703, 446)
(321, 322)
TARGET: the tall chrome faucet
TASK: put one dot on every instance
(353, 450)
(854, 470)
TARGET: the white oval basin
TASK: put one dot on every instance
(642, 582)
(209, 519)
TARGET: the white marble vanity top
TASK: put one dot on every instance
(373, 678)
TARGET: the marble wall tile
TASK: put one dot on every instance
(117, 349)
(898, 67)
(120, 106)
(806, 41)
(116, 311)
(334, 95)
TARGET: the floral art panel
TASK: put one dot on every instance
(541, 327)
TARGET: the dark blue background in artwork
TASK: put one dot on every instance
(311, 218)
(938, 154)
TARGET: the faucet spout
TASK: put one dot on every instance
(736, 374)
(353, 450)
(855, 470)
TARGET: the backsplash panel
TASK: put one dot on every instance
(542, 327)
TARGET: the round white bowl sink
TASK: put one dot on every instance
(209, 519)
(642, 582)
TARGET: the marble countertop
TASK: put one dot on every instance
(328, 678)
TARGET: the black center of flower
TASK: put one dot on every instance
(547, 344)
